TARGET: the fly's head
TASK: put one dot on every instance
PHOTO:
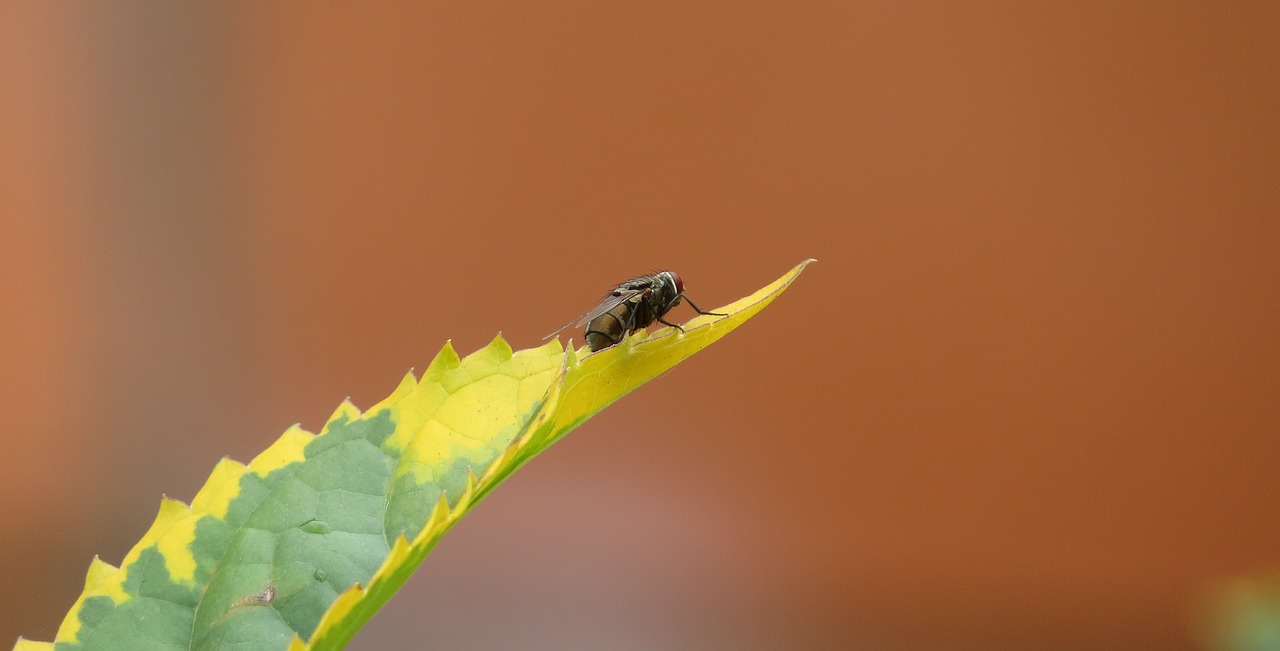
(667, 291)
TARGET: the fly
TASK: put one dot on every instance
(633, 305)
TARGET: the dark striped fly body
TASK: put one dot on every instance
(631, 306)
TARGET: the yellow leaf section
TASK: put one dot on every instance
(583, 384)
(223, 486)
(466, 410)
(102, 580)
(174, 544)
(287, 449)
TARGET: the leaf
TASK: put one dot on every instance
(1243, 614)
(301, 547)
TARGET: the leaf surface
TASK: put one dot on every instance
(300, 547)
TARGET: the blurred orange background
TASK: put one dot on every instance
(1027, 398)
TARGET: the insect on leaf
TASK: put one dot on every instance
(300, 547)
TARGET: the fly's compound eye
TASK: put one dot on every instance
(675, 277)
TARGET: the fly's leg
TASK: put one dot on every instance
(629, 327)
(698, 309)
(695, 309)
(664, 321)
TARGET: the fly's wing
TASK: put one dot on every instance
(611, 300)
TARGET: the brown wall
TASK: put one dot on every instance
(1026, 398)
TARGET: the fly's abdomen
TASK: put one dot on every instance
(609, 328)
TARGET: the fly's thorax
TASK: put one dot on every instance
(640, 282)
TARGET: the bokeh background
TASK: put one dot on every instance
(1027, 398)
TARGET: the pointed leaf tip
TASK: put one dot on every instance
(500, 347)
(445, 360)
